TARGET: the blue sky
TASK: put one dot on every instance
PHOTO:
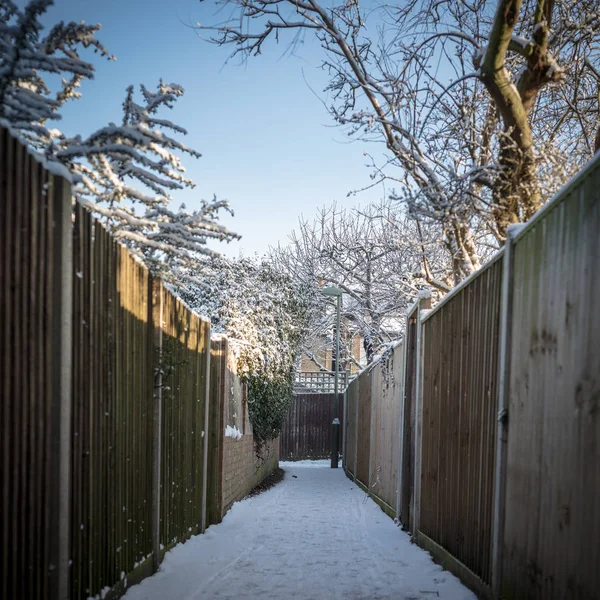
(268, 143)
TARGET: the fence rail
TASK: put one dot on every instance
(499, 460)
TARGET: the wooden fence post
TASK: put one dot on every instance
(424, 304)
(206, 334)
(410, 369)
(157, 336)
(224, 383)
(62, 346)
(356, 413)
(345, 428)
(401, 482)
(502, 427)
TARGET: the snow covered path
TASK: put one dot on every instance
(312, 536)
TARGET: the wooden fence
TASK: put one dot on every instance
(372, 411)
(551, 546)
(306, 432)
(112, 424)
(112, 412)
(35, 214)
(499, 418)
(458, 415)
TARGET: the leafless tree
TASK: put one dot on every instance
(485, 107)
(375, 256)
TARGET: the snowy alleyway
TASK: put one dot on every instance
(314, 535)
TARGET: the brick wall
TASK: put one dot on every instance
(242, 468)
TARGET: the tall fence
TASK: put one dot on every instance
(112, 411)
(498, 412)
(551, 543)
(371, 445)
(458, 419)
(34, 321)
(306, 431)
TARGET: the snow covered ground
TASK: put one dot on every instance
(313, 536)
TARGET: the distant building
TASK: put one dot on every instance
(322, 353)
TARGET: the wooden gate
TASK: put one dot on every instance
(306, 432)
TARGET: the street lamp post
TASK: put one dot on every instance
(335, 425)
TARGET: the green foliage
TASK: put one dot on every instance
(268, 403)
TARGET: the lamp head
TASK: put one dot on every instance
(332, 291)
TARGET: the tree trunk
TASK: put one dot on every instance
(516, 194)
(458, 239)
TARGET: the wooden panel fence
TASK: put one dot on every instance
(306, 432)
(218, 371)
(363, 429)
(499, 419)
(458, 401)
(386, 384)
(351, 400)
(113, 382)
(373, 402)
(552, 525)
(185, 355)
(407, 415)
(112, 416)
(35, 279)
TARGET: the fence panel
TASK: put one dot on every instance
(385, 410)
(306, 432)
(184, 364)
(552, 526)
(459, 408)
(363, 442)
(32, 203)
(218, 367)
(112, 410)
(351, 399)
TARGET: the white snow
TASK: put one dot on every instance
(515, 228)
(233, 432)
(315, 535)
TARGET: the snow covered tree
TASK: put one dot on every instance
(265, 315)
(375, 256)
(27, 101)
(485, 108)
(126, 173)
